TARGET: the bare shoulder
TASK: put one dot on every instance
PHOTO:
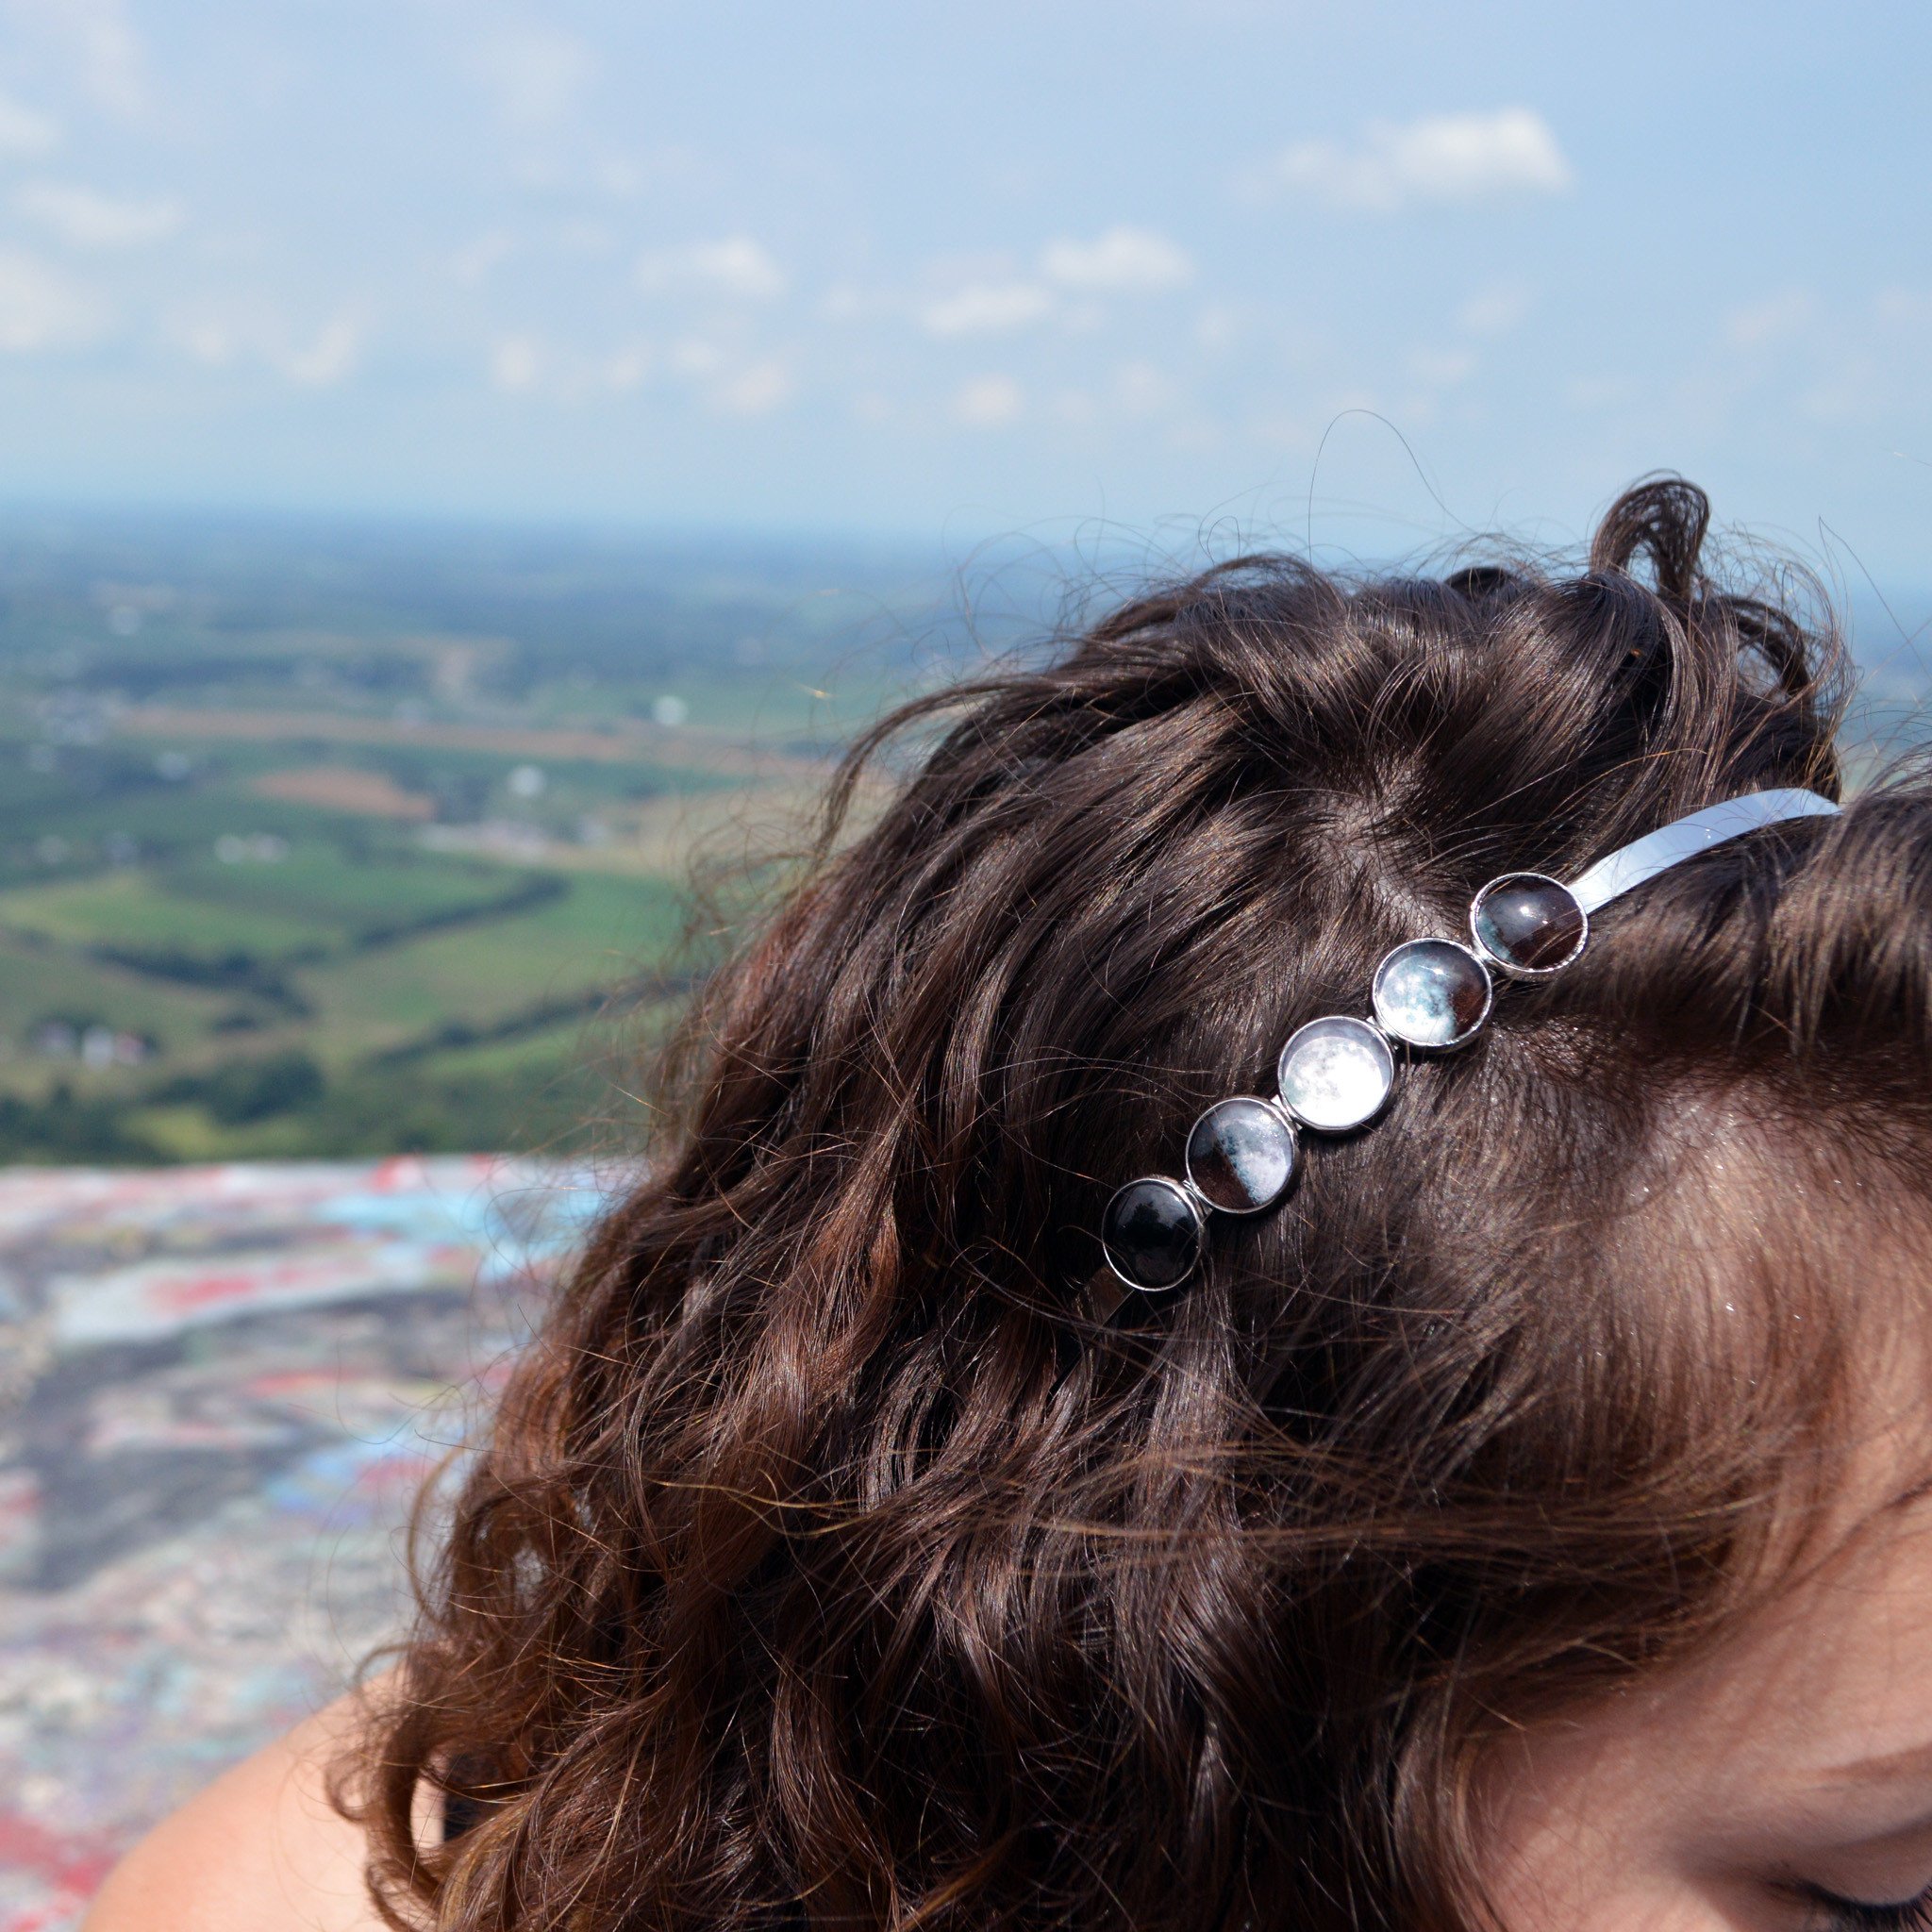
(262, 1850)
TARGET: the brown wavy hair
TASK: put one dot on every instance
(839, 1558)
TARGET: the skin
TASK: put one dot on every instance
(262, 1850)
(1709, 1800)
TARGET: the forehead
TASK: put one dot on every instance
(1830, 1681)
(1824, 1683)
(1809, 1728)
(1745, 1201)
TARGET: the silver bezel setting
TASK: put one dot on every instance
(1469, 1032)
(1381, 1041)
(1195, 1206)
(1287, 1122)
(1504, 966)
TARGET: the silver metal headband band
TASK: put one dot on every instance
(1336, 1073)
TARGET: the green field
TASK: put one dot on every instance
(150, 911)
(374, 994)
(341, 990)
(323, 842)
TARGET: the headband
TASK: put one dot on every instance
(1336, 1073)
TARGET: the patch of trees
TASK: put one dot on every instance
(61, 1127)
(242, 1091)
(235, 970)
(536, 888)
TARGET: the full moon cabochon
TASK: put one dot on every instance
(1428, 996)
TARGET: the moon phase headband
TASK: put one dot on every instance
(1428, 995)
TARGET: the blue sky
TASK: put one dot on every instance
(944, 269)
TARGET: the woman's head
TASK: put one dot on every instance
(838, 1560)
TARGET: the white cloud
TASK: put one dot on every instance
(1859, 391)
(523, 363)
(696, 358)
(42, 307)
(473, 263)
(988, 402)
(1906, 307)
(1441, 368)
(85, 218)
(26, 131)
(737, 267)
(586, 235)
(1142, 389)
(984, 309)
(1122, 261)
(535, 73)
(515, 363)
(1220, 328)
(207, 338)
(1494, 310)
(259, 335)
(843, 302)
(626, 368)
(1438, 160)
(332, 354)
(740, 389)
(99, 37)
(755, 391)
(1599, 393)
(1778, 318)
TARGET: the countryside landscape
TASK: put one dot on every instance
(325, 840)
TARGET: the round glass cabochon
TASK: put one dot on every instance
(1432, 992)
(1336, 1073)
(1528, 924)
(1240, 1155)
(1152, 1233)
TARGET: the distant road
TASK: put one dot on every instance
(655, 745)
